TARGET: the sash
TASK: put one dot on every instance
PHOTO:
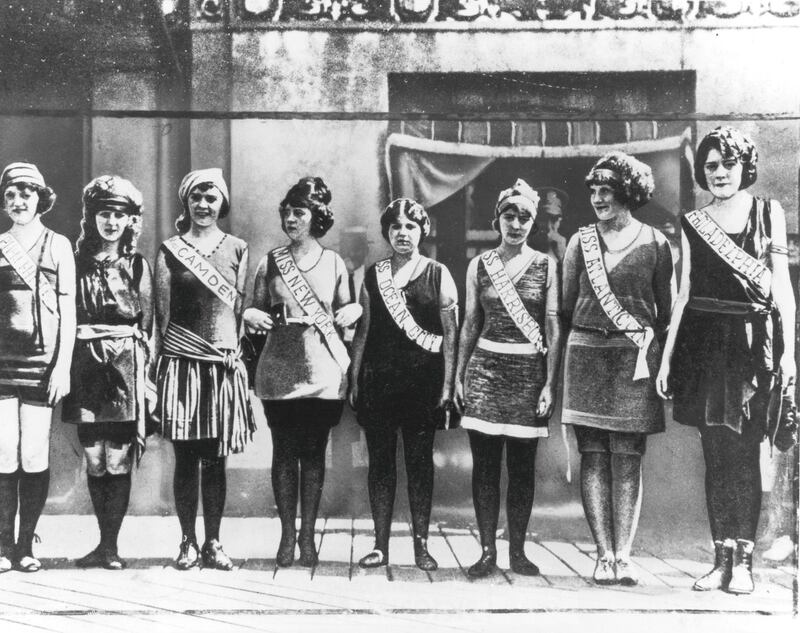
(26, 268)
(312, 306)
(144, 389)
(203, 270)
(511, 300)
(398, 310)
(742, 262)
(638, 334)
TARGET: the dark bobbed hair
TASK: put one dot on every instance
(47, 197)
(90, 241)
(730, 143)
(413, 210)
(313, 194)
(184, 221)
(632, 182)
(534, 228)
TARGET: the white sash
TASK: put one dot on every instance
(203, 270)
(511, 300)
(312, 306)
(398, 310)
(619, 316)
(26, 268)
(742, 262)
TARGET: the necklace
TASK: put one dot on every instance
(201, 253)
(305, 270)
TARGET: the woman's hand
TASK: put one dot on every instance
(59, 384)
(257, 321)
(445, 397)
(546, 401)
(458, 396)
(347, 315)
(662, 382)
(788, 371)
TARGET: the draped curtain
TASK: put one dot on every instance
(430, 171)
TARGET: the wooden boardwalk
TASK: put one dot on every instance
(338, 595)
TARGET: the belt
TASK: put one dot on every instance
(507, 348)
(605, 331)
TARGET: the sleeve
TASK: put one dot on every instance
(663, 285)
(573, 263)
(261, 299)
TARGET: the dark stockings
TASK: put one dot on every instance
(110, 495)
(33, 489)
(197, 464)
(298, 453)
(733, 482)
(487, 453)
(9, 500)
(382, 479)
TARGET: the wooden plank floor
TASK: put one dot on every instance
(336, 593)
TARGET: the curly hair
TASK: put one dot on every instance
(313, 194)
(108, 193)
(25, 175)
(412, 209)
(730, 143)
(630, 179)
(47, 197)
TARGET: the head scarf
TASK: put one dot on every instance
(211, 176)
(112, 193)
(520, 195)
(25, 173)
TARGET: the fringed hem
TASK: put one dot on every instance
(509, 430)
(201, 400)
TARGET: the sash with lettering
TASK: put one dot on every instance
(26, 268)
(511, 300)
(311, 305)
(742, 262)
(638, 334)
(398, 310)
(211, 278)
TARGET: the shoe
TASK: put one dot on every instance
(422, 557)
(6, 558)
(741, 581)
(188, 554)
(720, 575)
(92, 559)
(214, 557)
(520, 564)
(29, 564)
(604, 570)
(285, 555)
(625, 573)
(486, 564)
(781, 549)
(376, 558)
(112, 561)
(308, 552)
